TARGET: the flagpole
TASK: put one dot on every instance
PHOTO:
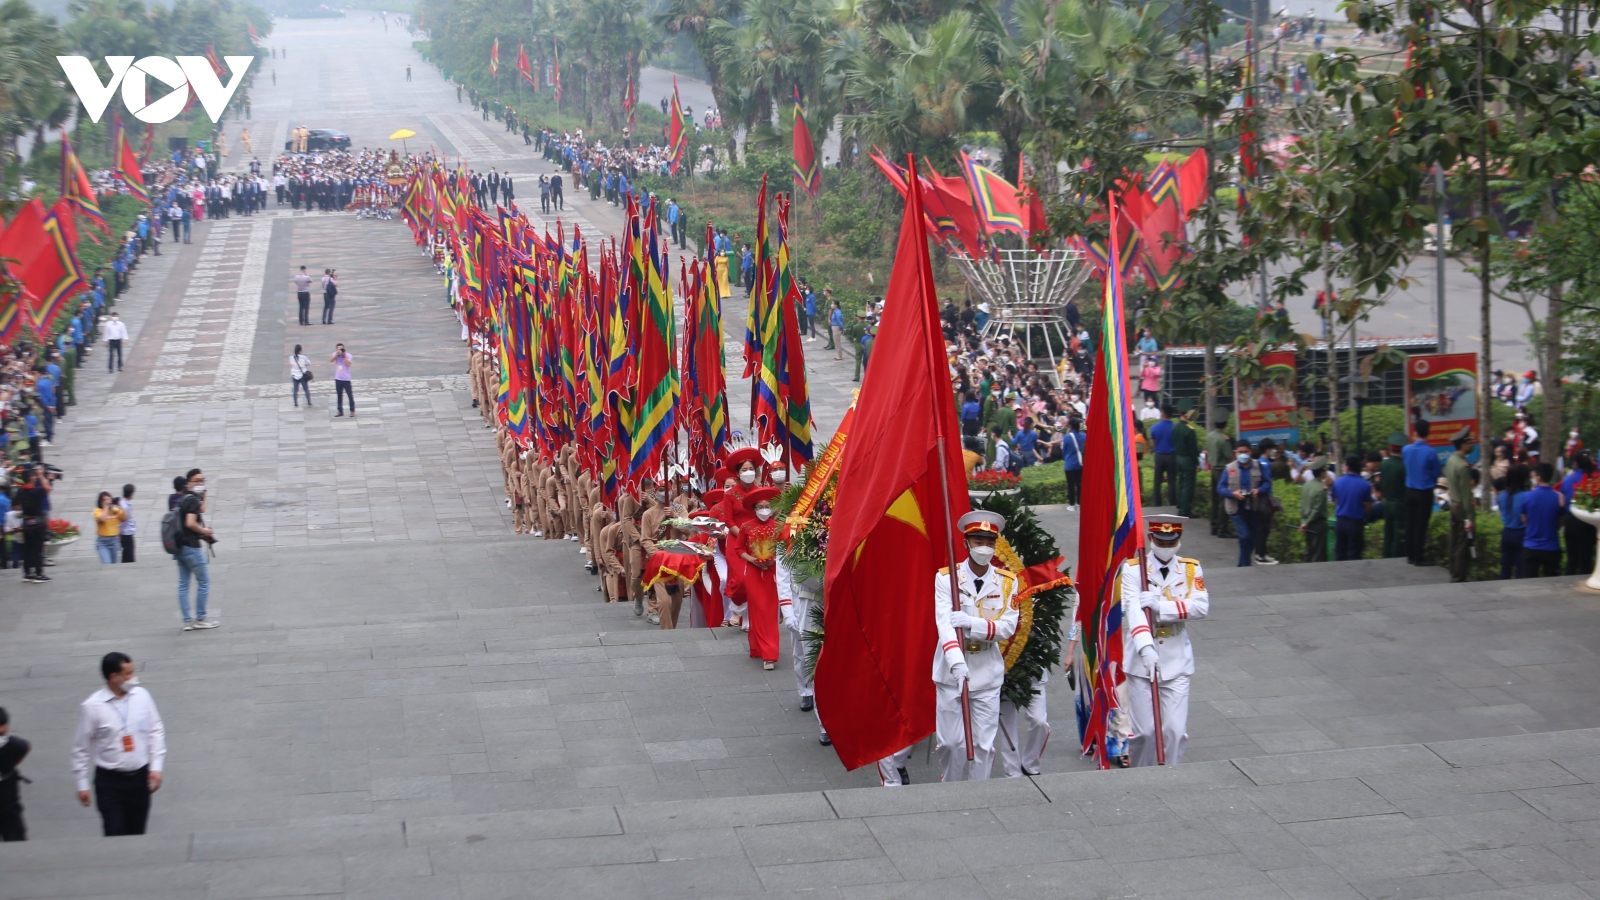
(1155, 675)
(944, 495)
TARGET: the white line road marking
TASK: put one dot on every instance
(241, 335)
(471, 144)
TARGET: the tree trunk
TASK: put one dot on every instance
(1550, 360)
(1212, 419)
(1485, 216)
(1333, 370)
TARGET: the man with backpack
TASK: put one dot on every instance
(183, 529)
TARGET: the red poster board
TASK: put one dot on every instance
(1442, 390)
(1266, 408)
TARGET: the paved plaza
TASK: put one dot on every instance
(405, 700)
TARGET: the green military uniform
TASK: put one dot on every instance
(1219, 452)
(1458, 480)
(1392, 484)
(1314, 519)
(1186, 447)
(1000, 416)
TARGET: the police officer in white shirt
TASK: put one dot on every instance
(121, 739)
(969, 649)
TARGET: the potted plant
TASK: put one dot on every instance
(990, 483)
(60, 533)
(1586, 508)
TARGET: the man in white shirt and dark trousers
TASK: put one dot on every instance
(122, 745)
(116, 331)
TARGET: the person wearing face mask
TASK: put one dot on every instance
(717, 506)
(628, 509)
(969, 648)
(120, 748)
(778, 476)
(743, 465)
(794, 605)
(666, 598)
(1155, 639)
(1241, 485)
(758, 547)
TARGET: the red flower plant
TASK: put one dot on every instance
(992, 480)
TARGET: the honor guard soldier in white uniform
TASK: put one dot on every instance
(969, 648)
(1155, 639)
(794, 606)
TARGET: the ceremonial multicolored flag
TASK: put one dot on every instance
(760, 293)
(656, 388)
(807, 170)
(630, 98)
(794, 400)
(948, 200)
(494, 59)
(1111, 526)
(1192, 188)
(555, 72)
(524, 68)
(705, 378)
(125, 166)
(76, 188)
(216, 64)
(677, 135)
(901, 490)
(941, 226)
(1247, 133)
(1161, 226)
(994, 197)
(46, 264)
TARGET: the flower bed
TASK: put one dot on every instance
(990, 480)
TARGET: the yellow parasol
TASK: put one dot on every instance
(401, 136)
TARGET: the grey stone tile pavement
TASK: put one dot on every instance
(404, 700)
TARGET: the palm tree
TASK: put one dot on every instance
(916, 96)
(31, 97)
(695, 19)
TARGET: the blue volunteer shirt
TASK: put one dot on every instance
(1161, 436)
(1570, 483)
(1422, 465)
(1351, 493)
(1072, 451)
(1511, 507)
(47, 392)
(1025, 441)
(1542, 510)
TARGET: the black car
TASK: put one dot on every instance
(323, 139)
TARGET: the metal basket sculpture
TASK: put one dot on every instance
(1026, 291)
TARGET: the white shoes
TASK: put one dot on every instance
(203, 624)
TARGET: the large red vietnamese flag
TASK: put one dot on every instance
(893, 522)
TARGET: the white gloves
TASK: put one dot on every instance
(959, 619)
(959, 669)
(788, 617)
(1147, 655)
(1149, 599)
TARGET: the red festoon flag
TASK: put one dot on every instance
(901, 488)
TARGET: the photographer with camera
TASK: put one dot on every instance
(32, 499)
(1241, 487)
(191, 556)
